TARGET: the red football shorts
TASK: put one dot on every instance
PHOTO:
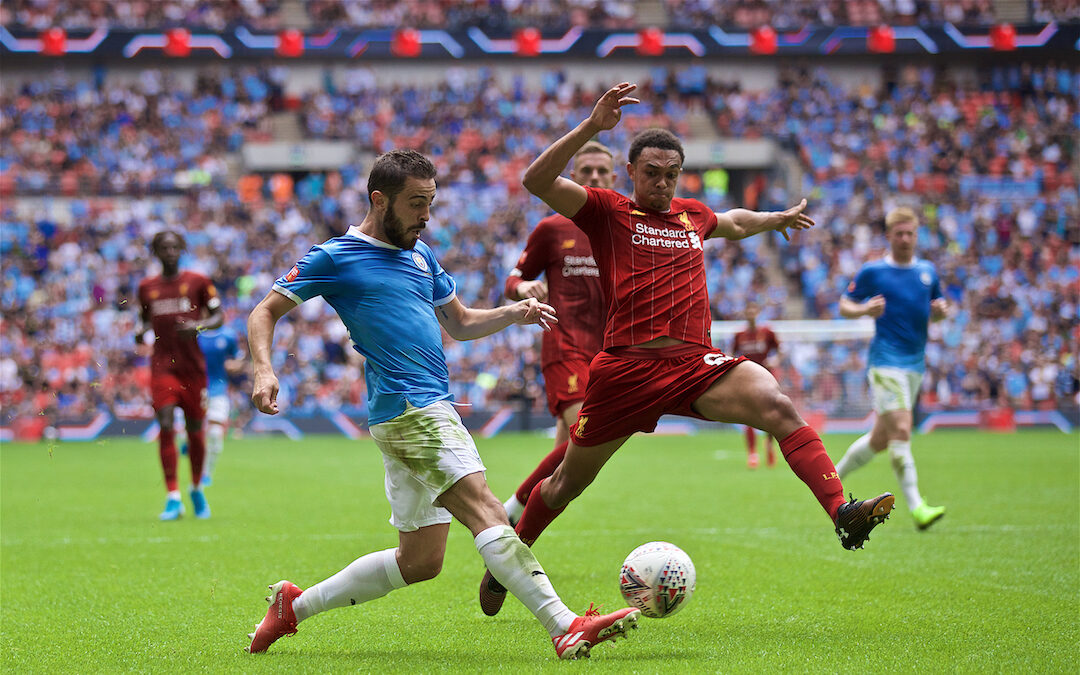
(631, 387)
(565, 382)
(189, 394)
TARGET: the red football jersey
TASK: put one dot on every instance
(560, 251)
(166, 301)
(755, 345)
(652, 267)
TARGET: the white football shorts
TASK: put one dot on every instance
(894, 388)
(217, 409)
(425, 451)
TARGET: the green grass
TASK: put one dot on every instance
(91, 582)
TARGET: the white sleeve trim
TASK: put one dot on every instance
(442, 301)
(288, 294)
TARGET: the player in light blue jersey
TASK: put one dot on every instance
(224, 357)
(392, 295)
(903, 295)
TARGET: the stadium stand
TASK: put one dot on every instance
(94, 162)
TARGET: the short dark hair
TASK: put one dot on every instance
(159, 238)
(655, 138)
(392, 169)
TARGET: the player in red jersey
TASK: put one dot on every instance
(658, 356)
(177, 305)
(560, 251)
(756, 343)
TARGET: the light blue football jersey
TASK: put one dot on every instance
(900, 333)
(218, 346)
(386, 296)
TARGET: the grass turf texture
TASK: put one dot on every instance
(92, 582)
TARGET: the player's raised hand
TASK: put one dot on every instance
(794, 219)
(533, 289)
(875, 306)
(533, 311)
(264, 393)
(608, 110)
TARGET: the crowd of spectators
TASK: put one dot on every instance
(792, 15)
(457, 14)
(991, 167)
(783, 15)
(79, 14)
(144, 136)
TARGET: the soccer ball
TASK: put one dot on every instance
(658, 578)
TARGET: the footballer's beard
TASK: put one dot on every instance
(396, 231)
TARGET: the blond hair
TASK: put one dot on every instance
(899, 215)
(594, 147)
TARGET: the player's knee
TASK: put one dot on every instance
(778, 412)
(901, 433)
(419, 569)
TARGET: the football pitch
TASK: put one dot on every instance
(91, 582)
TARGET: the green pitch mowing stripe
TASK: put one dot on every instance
(90, 581)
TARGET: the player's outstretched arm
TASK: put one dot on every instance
(520, 289)
(543, 178)
(743, 223)
(464, 323)
(261, 323)
(851, 309)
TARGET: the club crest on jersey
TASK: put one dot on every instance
(581, 421)
(572, 384)
(293, 273)
(685, 220)
(420, 262)
(569, 243)
(925, 278)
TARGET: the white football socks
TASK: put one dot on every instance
(514, 508)
(215, 443)
(513, 565)
(904, 466)
(858, 454)
(366, 578)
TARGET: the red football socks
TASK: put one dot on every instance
(167, 452)
(805, 454)
(196, 455)
(536, 517)
(546, 467)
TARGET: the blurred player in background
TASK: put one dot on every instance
(177, 305)
(224, 357)
(658, 356)
(392, 294)
(903, 295)
(560, 251)
(758, 344)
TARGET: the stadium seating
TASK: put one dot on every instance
(989, 166)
